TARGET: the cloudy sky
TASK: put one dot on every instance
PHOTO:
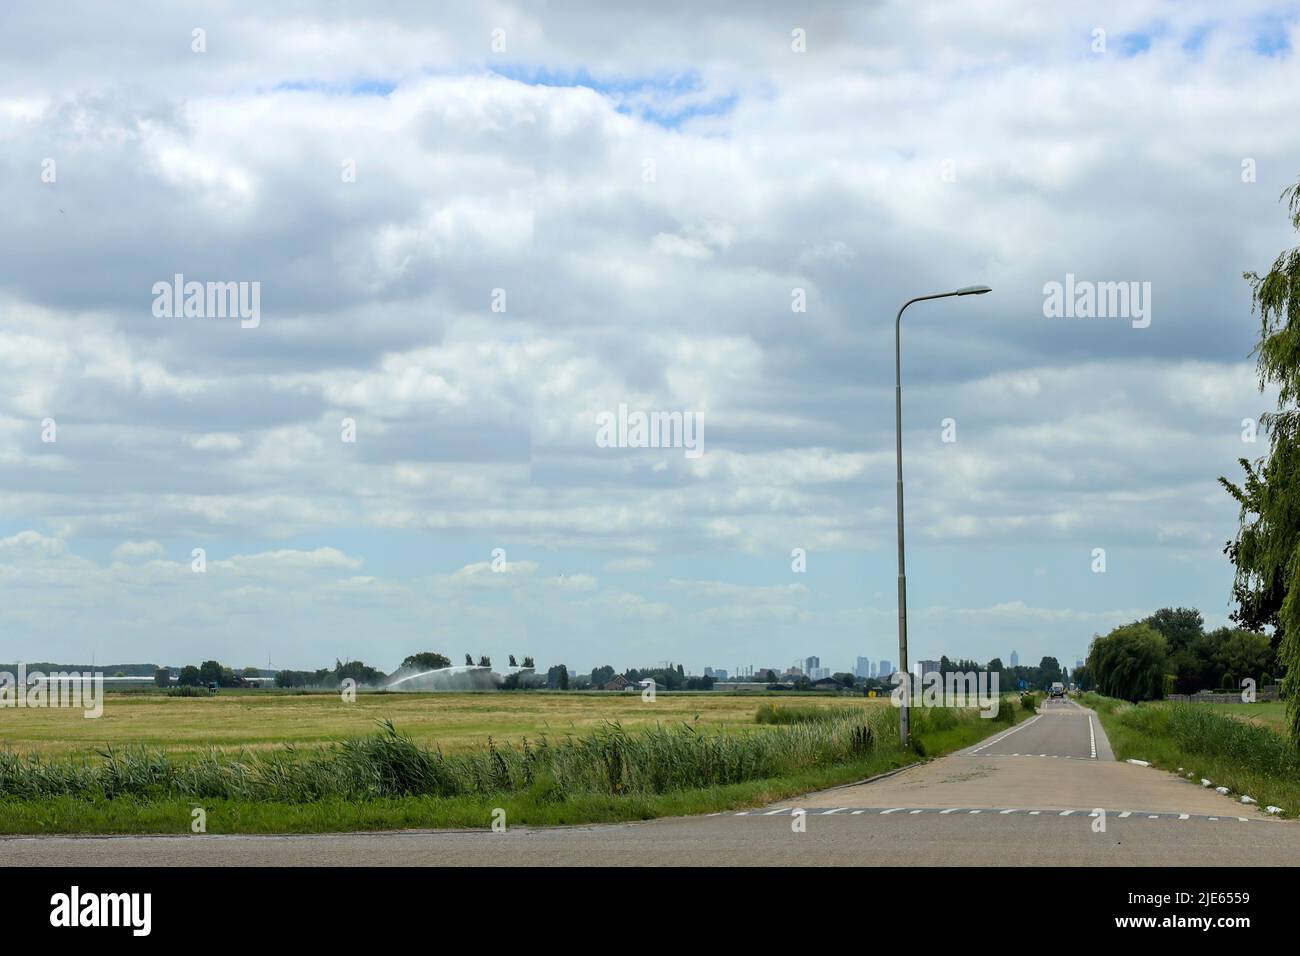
(476, 227)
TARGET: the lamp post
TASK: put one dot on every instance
(903, 723)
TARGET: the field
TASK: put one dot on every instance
(1268, 713)
(276, 763)
(454, 722)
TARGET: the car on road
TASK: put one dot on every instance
(1058, 690)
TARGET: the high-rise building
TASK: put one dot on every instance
(886, 670)
(926, 667)
(863, 667)
(1015, 659)
(811, 664)
(719, 674)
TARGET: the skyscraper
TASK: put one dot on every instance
(1015, 659)
(863, 668)
(811, 664)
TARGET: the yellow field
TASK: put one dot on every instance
(453, 721)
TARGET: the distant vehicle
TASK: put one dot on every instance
(1058, 689)
(213, 687)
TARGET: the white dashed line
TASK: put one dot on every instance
(1005, 812)
(1092, 737)
(895, 810)
(1126, 813)
(1002, 737)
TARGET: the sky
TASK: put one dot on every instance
(474, 229)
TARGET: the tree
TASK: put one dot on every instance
(528, 662)
(211, 672)
(1129, 662)
(484, 661)
(602, 675)
(427, 661)
(557, 677)
(190, 676)
(162, 677)
(1180, 626)
(1049, 672)
(1266, 551)
(1246, 654)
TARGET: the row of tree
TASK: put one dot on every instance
(1171, 652)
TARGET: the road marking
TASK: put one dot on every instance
(1001, 811)
(971, 753)
(1092, 737)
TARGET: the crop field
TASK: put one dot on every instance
(1268, 713)
(453, 722)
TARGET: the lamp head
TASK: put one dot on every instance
(973, 290)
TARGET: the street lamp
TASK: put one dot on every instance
(898, 445)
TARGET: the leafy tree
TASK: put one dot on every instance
(1266, 551)
(190, 676)
(602, 675)
(162, 677)
(1129, 662)
(427, 660)
(1246, 654)
(211, 672)
(557, 677)
(1180, 626)
(1049, 672)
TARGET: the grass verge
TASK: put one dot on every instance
(1247, 758)
(388, 782)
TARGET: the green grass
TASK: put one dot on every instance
(388, 781)
(235, 720)
(1208, 741)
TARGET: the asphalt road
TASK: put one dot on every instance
(1034, 792)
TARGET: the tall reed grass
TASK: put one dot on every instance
(390, 764)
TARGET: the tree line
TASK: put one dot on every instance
(1171, 652)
